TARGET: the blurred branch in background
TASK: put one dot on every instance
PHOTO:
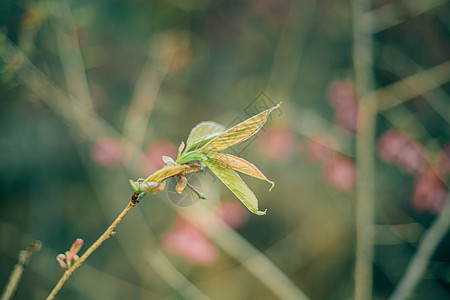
(436, 76)
(72, 112)
(412, 86)
(403, 119)
(144, 96)
(66, 32)
(172, 276)
(310, 125)
(427, 246)
(16, 275)
(365, 145)
(392, 14)
(288, 53)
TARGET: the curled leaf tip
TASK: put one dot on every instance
(60, 258)
(261, 213)
(273, 184)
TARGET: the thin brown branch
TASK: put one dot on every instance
(106, 235)
(16, 274)
(87, 285)
(427, 247)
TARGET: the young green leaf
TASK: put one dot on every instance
(190, 156)
(238, 133)
(235, 183)
(172, 170)
(203, 132)
(169, 160)
(180, 149)
(239, 164)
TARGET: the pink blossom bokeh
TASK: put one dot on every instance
(429, 193)
(343, 99)
(277, 144)
(232, 212)
(107, 151)
(187, 241)
(322, 148)
(153, 156)
(397, 147)
(339, 171)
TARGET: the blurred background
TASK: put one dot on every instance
(93, 93)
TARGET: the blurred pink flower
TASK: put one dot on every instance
(107, 152)
(343, 99)
(187, 241)
(412, 158)
(342, 94)
(396, 147)
(341, 173)
(322, 148)
(390, 145)
(155, 153)
(347, 118)
(232, 213)
(277, 143)
(429, 193)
